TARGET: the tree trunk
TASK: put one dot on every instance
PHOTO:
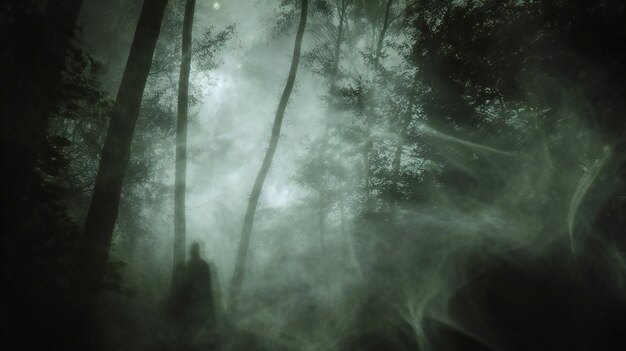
(330, 123)
(383, 31)
(342, 11)
(244, 243)
(321, 219)
(397, 158)
(369, 143)
(94, 247)
(180, 182)
(368, 146)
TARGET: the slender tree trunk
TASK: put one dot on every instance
(383, 31)
(367, 150)
(369, 144)
(321, 211)
(342, 10)
(342, 6)
(244, 243)
(180, 182)
(397, 158)
(94, 247)
(397, 161)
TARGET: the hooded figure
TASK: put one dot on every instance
(198, 292)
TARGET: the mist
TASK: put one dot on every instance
(447, 176)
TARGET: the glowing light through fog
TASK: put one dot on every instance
(278, 196)
(217, 6)
(435, 133)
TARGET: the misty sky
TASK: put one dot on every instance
(230, 132)
(239, 109)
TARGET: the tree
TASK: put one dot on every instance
(94, 247)
(322, 172)
(246, 232)
(479, 64)
(37, 68)
(379, 27)
(181, 149)
(37, 45)
(145, 197)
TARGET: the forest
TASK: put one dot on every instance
(300, 175)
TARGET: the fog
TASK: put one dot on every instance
(230, 128)
(302, 287)
(440, 189)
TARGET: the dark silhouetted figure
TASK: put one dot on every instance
(198, 293)
(197, 301)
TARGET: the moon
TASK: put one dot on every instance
(217, 6)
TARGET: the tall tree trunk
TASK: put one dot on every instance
(383, 31)
(397, 158)
(369, 144)
(244, 243)
(321, 219)
(333, 76)
(367, 168)
(180, 182)
(93, 252)
(345, 232)
(342, 11)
